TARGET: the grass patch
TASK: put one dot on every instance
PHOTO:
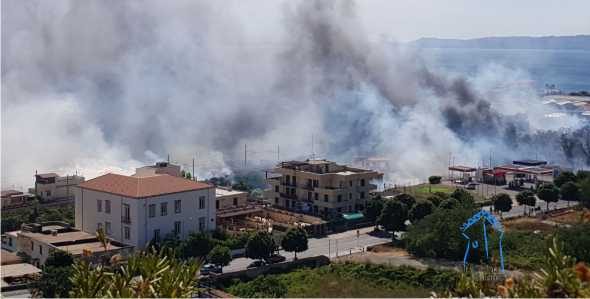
(348, 280)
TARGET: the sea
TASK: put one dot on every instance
(568, 70)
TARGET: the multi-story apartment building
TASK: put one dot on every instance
(135, 210)
(50, 186)
(320, 187)
(158, 168)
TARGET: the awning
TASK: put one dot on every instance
(353, 216)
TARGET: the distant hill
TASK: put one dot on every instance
(576, 42)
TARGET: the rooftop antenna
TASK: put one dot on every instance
(278, 153)
(168, 158)
(194, 178)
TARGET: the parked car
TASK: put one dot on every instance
(210, 268)
(471, 186)
(275, 258)
(256, 264)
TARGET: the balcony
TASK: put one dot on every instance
(285, 195)
(126, 220)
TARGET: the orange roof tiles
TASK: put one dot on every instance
(139, 187)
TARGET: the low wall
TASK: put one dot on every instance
(311, 262)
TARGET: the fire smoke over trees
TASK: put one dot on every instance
(109, 85)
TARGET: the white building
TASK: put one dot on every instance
(135, 210)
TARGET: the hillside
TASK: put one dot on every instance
(577, 42)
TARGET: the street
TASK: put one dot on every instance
(332, 245)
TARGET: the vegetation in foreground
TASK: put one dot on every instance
(347, 280)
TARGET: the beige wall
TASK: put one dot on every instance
(62, 188)
(232, 201)
(350, 188)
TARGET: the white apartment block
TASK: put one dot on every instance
(135, 210)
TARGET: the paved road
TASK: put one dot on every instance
(331, 245)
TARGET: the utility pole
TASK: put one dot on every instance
(194, 178)
(168, 158)
(312, 147)
(278, 153)
(245, 155)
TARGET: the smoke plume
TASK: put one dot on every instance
(99, 86)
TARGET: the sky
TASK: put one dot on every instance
(407, 20)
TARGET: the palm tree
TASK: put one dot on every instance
(102, 238)
(146, 274)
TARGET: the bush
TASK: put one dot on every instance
(434, 179)
(438, 235)
(576, 241)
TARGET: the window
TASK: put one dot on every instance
(339, 210)
(201, 224)
(48, 193)
(32, 246)
(107, 227)
(326, 197)
(152, 209)
(177, 226)
(288, 180)
(107, 206)
(350, 183)
(201, 202)
(316, 196)
(276, 200)
(99, 226)
(293, 204)
(9, 241)
(156, 235)
(126, 214)
(40, 250)
(163, 209)
(126, 232)
(339, 197)
(294, 181)
(350, 196)
(362, 195)
(308, 195)
(235, 201)
(217, 204)
(362, 182)
(277, 188)
(286, 203)
(177, 206)
(316, 183)
(99, 205)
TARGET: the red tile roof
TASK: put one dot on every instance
(139, 187)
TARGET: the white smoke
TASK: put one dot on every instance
(99, 86)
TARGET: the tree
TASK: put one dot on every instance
(406, 199)
(393, 216)
(260, 246)
(449, 204)
(548, 193)
(374, 207)
(55, 278)
(438, 234)
(220, 256)
(526, 198)
(146, 274)
(502, 202)
(463, 197)
(422, 209)
(434, 179)
(435, 200)
(570, 192)
(564, 177)
(295, 241)
(196, 245)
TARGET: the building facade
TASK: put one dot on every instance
(320, 187)
(50, 186)
(137, 210)
(158, 168)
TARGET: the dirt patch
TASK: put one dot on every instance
(388, 250)
(571, 217)
(527, 224)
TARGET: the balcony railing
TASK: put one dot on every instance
(285, 195)
(125, 219)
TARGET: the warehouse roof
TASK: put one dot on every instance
(140, 187)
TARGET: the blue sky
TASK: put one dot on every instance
(411, 19)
